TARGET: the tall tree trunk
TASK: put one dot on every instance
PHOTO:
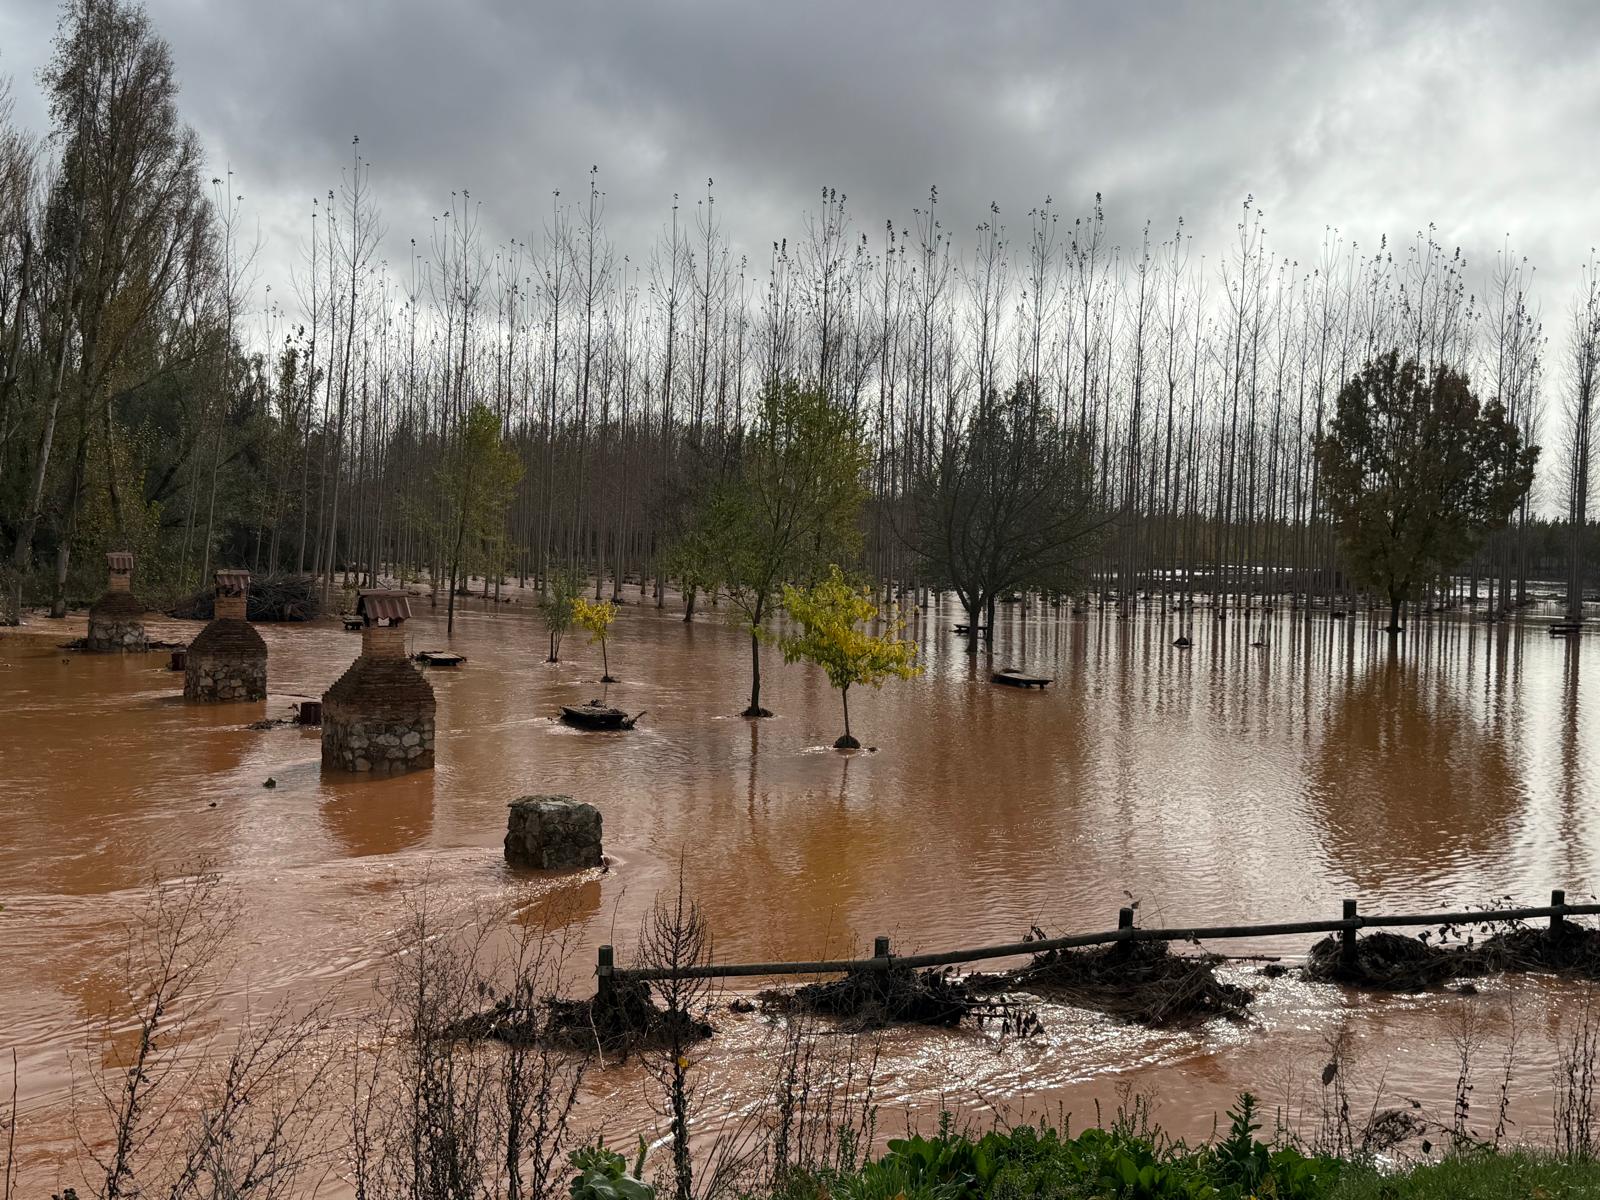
(755, 709)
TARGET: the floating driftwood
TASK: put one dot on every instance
(595, 715)
(269, 723)
(439, 658)
(1012, 677)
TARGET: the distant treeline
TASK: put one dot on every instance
(1187, 388)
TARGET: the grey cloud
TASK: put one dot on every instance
(1374, 117)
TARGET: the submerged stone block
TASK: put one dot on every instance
(553, 833)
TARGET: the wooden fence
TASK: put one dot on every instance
(1347, 925)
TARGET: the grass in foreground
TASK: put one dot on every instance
(1137, 1164)
(1476, 1177)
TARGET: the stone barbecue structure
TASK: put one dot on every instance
(116, 622)
(378, 716)
(553, 833)
(228, 660)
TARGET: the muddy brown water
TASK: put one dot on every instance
(1226, 782)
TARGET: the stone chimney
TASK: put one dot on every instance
(378, 716)
(228, 660)
(116, 622)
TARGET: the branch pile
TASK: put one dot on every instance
(273, 597)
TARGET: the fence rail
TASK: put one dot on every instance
(1352, 920)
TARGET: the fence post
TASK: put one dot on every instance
(605, 960)
(1558, 900)
(1124, 921)
(880, 947)
(1347, 948)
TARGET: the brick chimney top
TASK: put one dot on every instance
(120, 565)
(231, 582)
(383, 641)
(379, 608)
(233, 588)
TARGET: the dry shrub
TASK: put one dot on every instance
(433, 1112)
(184, 1115)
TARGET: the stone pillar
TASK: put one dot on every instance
(553, 833)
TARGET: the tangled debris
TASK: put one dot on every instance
(273, 597)
(900, 995)
(1567, 949)
(1140, 981)
(1144, 982)
(151, 644)
(1394, 962)
(623, 1019)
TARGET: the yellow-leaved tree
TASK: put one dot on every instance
(595, 617)
(831, 615)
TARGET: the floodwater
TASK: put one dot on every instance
(1223, 783)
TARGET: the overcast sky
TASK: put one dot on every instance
(1374, 117)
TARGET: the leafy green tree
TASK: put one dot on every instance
(124, 246)
(831, 614)
(1416, 471)
(595, 617)
(560, 607)
(791, 508)
(476, 483)
(1006, 504)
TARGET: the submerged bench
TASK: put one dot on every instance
(1012, 677)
